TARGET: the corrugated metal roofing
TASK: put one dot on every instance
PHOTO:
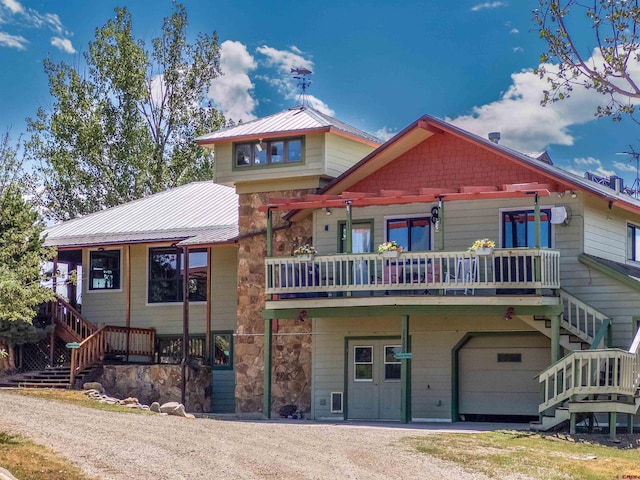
(175, 214)
(291, 120)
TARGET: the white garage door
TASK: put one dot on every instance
(497, 374)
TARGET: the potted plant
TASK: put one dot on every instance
(305, 252)
(389, 249)
(483, 246)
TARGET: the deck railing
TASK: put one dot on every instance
(326, 275)
(591, 372)
(110, 339)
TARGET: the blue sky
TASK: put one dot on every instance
(377, 65)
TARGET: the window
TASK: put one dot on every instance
(363, 364)
(104, 270)
(509, 358)
(633, 242)
(223, 350)
(518, 229)
(166, 271)
(412, 234)
(269, 152)
(392, 365)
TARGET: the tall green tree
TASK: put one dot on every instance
(596, 46)
(123, 127)
(22, 255)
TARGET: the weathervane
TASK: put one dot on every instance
(633, 155)
(303, 82)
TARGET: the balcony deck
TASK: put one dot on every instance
(507, 276)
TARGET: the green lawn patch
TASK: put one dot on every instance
(549, 457)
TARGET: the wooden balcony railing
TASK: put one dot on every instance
(504, 271)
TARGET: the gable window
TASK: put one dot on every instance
(518, 229)
(268, 152)
(104, 270)
(633, 242)
(166, 273)
(412, 234)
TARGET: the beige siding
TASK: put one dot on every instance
(167, 318)
(313, 164)
(104, 306)
(342, 153)
(432, 341)
(605, 232)
(224, 291)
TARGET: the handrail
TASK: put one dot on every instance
(70, 319)
(582, 319)
(91, 350)
(589, 372)
(111, 339)
(291, 277)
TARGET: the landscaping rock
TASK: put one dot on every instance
(93, 386)
(6, 474)
(155, 407)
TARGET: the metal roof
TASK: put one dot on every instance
(195, 209)
(288, 121)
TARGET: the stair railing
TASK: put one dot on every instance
(582, 320)
(64, 315)
(92, 349)
(591, 372)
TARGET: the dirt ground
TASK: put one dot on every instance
(123, 446)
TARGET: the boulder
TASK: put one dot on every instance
(168, 407)
(155, 407)
(6, 474)
(93, 386)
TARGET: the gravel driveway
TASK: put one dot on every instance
(119, 446)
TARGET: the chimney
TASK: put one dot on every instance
(494, 137)
(616, 183)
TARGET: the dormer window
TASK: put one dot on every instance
(268, 152)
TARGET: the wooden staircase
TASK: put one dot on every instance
(94, 344)
(594, 381)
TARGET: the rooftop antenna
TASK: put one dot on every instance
(300, 74)
(633, 155)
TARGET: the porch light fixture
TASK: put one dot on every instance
(327, 211)
(508, 315)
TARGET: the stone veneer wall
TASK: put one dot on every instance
(159, 383)
(291, 353)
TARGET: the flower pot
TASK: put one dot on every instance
(305, 257)
(390, 254)
(484, 251)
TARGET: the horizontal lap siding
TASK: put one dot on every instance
(223, 391)
(342, 153)
(224, 290)
(104, 306)
(432, 340)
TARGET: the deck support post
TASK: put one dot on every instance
(572, 423)
(185, 324)
(54, 287)
(613, 420)
(349, 242)
(266, 397)
(537, 260)
(405, 373)
(555, 338)
(630, 423)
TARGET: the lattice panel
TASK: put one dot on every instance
(35, 356)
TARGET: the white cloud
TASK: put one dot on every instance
(384, 133)
(590, 164)
(63, 44)
(514, 31)
(14, 6)
(13, 41)
(231, 92)
(12, 13)
(284, 61)
(518, 49)
(487, 5)
(625, 167)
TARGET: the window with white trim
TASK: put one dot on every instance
(633, 242)
(104, 270)
(268, 152)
